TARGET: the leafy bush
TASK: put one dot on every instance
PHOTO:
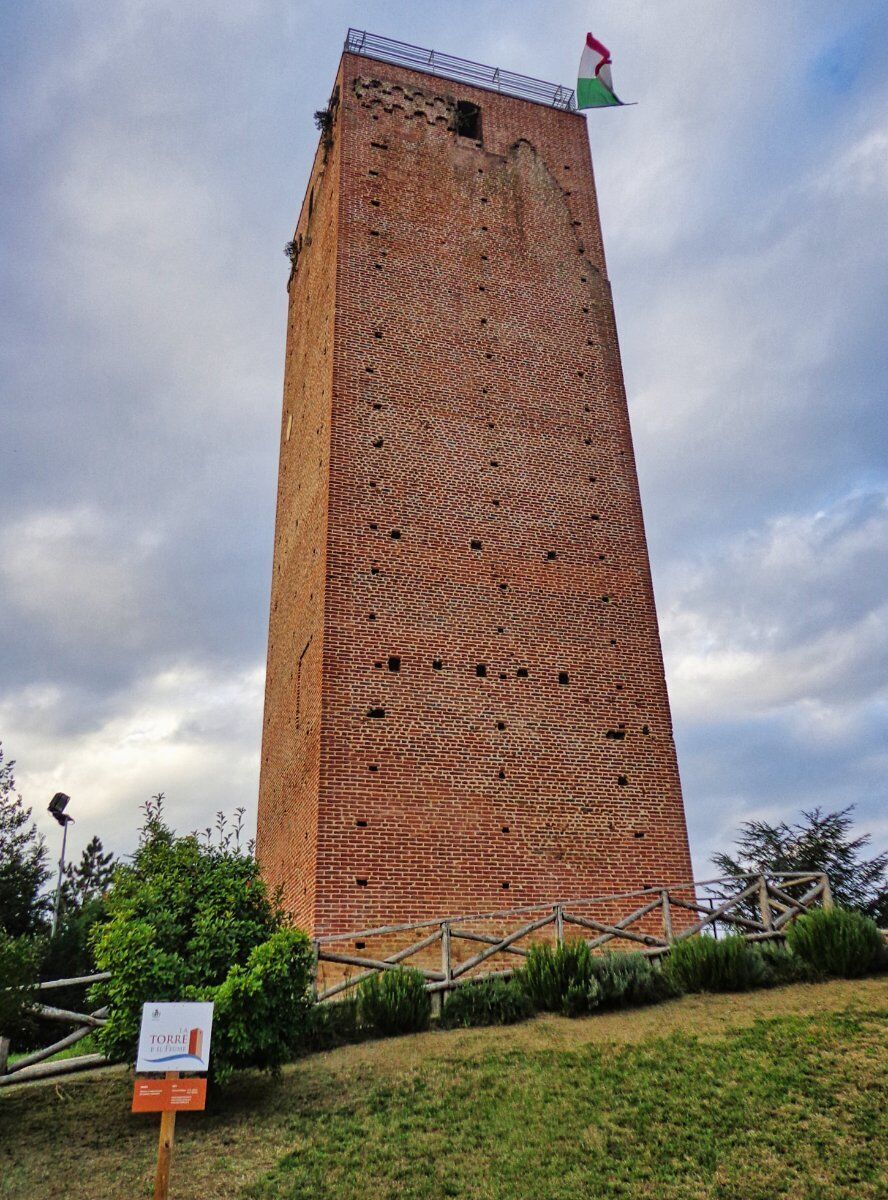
(837, 941)
(783, 967)
(394, 1002)
(333, 1024)
(487, 1002)
(702, 964)
(18, 970)
(189, 920)
(629, 979)
(560, 978)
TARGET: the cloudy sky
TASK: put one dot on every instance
(154, 156)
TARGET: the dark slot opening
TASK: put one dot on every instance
(361, 824)
(481, 670)
(361, 882)
(437, 664)
(550, 554)
(378, 713)
(475, 544)
(394, 662)
(505, 887)
(623, 780)
(468, 120)
(563, 677)
(360, 945)
(505, 829)
(616, 735)
(522, 672)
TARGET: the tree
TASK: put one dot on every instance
(191, 919)
(818, 842)
(23, 869)
(90, 879)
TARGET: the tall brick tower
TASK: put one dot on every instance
(465, 704)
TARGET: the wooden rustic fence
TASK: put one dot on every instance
(649, 921)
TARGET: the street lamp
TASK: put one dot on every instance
(57, 806)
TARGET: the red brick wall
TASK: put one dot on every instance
(477, 397)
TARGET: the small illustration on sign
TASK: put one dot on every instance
(175, 1037)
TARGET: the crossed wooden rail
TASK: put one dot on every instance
(662, 916)
(760, 911)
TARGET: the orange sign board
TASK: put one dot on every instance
(169, 1095)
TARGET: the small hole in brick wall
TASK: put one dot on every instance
(373, 767)
(360, 945)
(373, 483)
(374, 173)
(503, 675)
(615, 735)
(500, 629)
(494, 462)
(587, 441)
(378, 443)
(481, 670)
(373, 525)
(395, 535)
(377, 406)
(638, 833)
(619, 687)
(505, 886)
(593, 478)
(551, 554)
(361, 824)
(484, 258)
(522, 672)
(377, 333)
(613, 641)
(581, 374)
(377, 666)
(563, 677)
(503, 587)
(488, 356)
(379, 145)
(589, 342)
(485, 390)
(645, 729)
(623, 780)
(484, 320)
(500, 725)
(437, 664)
(394, 662)
(371, 616)
(475, 544)
(594, 517)
(377, 266)
(361, 882)
(374, 233)
(605, 599)
(483, 199)
(601, 558)
(375, 203)
(481, 287)
(374, 570)
(585, 308)
(495, 503)
(505, 828)
(484, 229)
(583, 279)
(586, 408)
(500, 774)
(377, 714)
(491, 425)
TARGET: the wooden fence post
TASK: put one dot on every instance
(165, 1149)
(315, 951)
(826, 894)
(764, 904)
(4, 1054)
(559, 924)
(667, 916)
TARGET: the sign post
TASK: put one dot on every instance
(173, 1038)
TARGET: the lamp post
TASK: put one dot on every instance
(57, 806)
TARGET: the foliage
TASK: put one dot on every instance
(625, 980)
(23, 869)
(783, 967)
(702, 964)
(560, 978)
(191, 918)
(487, 1002)
(837, 941)
(90, 878)
(394, 1002)
(334, 1024)
(818, 842)
(18, 970)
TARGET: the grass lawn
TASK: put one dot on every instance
(775, 1095)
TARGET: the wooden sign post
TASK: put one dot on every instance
(165, 1149)
(178, 1036)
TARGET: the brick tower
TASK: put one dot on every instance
(465, 704)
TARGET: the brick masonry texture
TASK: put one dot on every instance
(466, 706)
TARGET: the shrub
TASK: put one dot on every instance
(836, 941)
(18, 971)
(783, 967)
(560, 978)
(487, 1002)
(395, 1002)
(333, 1024)
(702, 964)
(189, 920)
(629, 979)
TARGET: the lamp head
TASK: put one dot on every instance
(57, 806)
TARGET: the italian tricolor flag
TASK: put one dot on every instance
(595, 88)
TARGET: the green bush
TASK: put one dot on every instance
(629, 979)
(487, 1002)
(18, 971)
(560, 978)
(333, 1024)
(395, 1002)
(702, 964)
(189, 920)
(783, 967)
(836, 941)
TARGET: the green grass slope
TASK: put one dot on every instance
(775, 1095)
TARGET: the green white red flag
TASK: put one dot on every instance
(595, 87)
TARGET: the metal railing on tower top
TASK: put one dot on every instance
(432, 62)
